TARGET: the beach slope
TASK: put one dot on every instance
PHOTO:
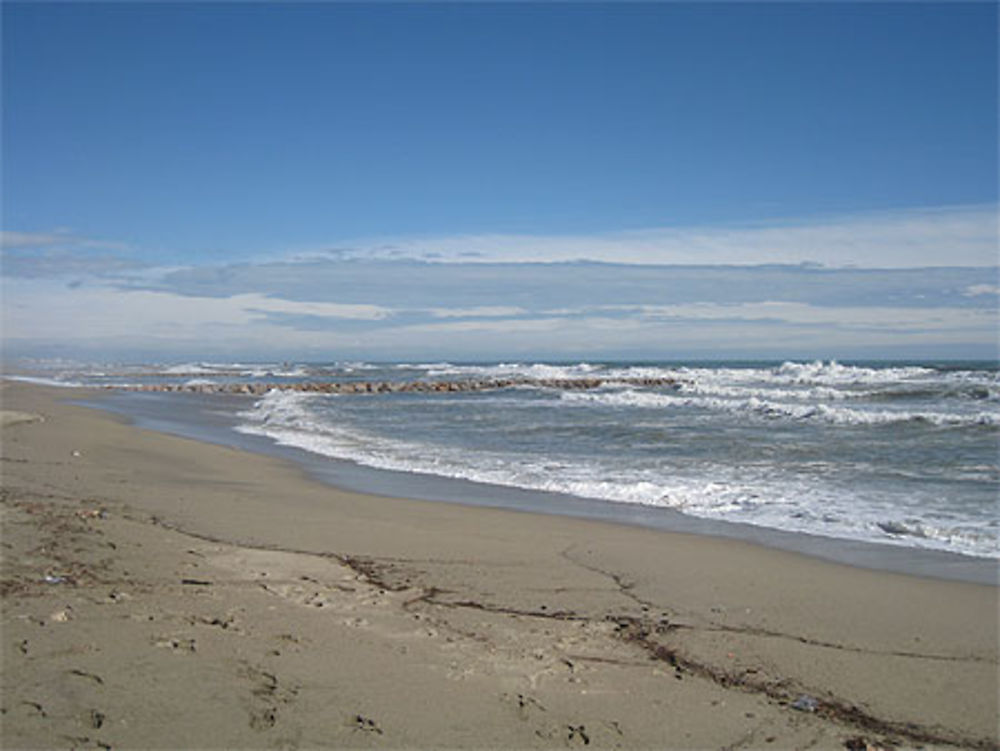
(160, 592)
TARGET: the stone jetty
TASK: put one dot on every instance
(392, 387)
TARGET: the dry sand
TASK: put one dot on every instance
(159, 592)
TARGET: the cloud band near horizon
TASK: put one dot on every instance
(920, 283)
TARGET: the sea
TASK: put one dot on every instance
(903, 454)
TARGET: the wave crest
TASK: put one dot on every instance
(772, 409)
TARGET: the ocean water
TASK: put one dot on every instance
(905, 454)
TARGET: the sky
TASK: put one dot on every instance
(467, 181)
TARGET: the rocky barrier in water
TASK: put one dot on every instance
(391, 387)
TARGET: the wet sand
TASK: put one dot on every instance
(160, 592)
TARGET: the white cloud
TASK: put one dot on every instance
(57, 238)
(869, 317)
(597, 336)
(47, 310)
(461, 308)
(104, 317)
(483, 311)
(254, 302)
(932, 237)
(30, 239)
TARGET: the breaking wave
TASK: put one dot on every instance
(772, 409)
(764, 495)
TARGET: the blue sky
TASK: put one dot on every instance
(493, 180)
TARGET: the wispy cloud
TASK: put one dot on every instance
(44, 309)
(30, 239)
(524, 297)
(59, 262)
(929, 237)
(844, 319)
(256, 303)
(511, 287)
(43, 313)
(58, 237)
(61, 253)
(483, 311)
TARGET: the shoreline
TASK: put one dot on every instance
(540, 631)
(347, 475)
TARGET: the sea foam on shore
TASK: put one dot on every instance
(904, 454)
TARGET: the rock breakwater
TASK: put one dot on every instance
(390, 387)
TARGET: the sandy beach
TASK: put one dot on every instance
(160, 592)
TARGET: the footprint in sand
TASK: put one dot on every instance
(577, 735)
(267, 695)
(368, 725)
(526, 705)
(176, 645)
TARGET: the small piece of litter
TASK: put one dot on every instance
(805, 703)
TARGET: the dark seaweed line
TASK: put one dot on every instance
(634, 631)
(627, 588)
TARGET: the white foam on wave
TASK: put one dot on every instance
(356, 366)
(230, 370)
(818, 373)
(533, 371)
(808, 382)
(767, 408)
(284, 408)
(426, 365)
(748, 495)
(812, 394)
(194, 368)
(975, 384)
(292, 372)
(43, 381)
(960, 538)
(833, 373)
